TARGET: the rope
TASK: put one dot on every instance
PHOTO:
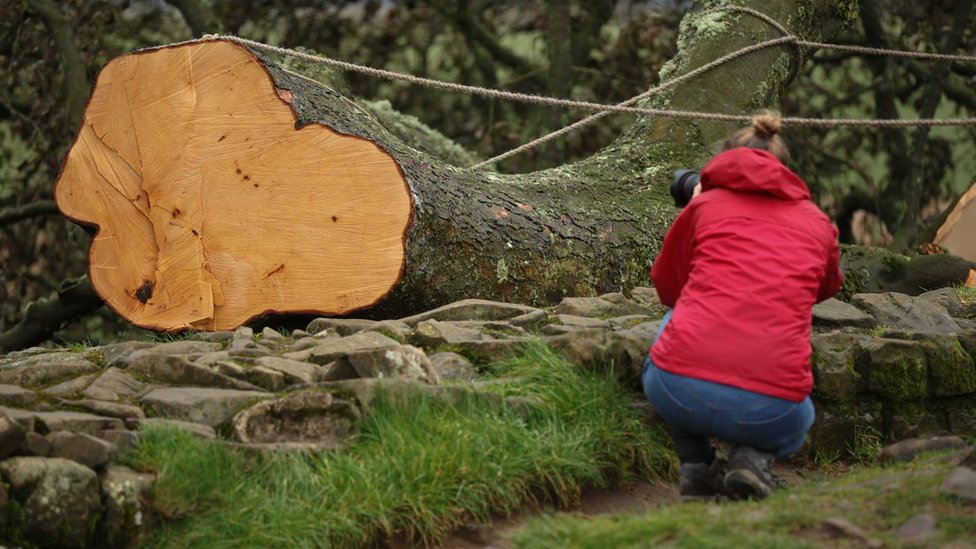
(625, 106)
(842, 47)
(787, 37)
(582, 105)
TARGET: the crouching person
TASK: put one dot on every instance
(740, 268)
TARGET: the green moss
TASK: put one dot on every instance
(868, 269)
(476, 358)
(96, 356)
(903, 379)
(951, 369)
(894, 370)
(14, 520)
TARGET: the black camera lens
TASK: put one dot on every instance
(683, 187)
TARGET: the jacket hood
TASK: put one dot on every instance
(753, 171)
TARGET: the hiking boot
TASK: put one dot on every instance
(700, 480)
(749, 474)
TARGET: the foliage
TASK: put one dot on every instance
(889, 187)
(419, 470)
(877, 500)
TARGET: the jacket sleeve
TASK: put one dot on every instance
(833, 279)
(672, 265)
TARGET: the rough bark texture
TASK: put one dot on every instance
(580, 229)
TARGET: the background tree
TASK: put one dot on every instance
(890, 187)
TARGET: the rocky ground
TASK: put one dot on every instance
(901, 366)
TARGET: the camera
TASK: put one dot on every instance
(683, 187)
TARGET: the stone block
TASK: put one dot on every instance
(951, 369)
(113, 384)
(179, 371)
(331, 350)
(12, 435)
(834, 313)
(18, 397)
(835, 377)
(57, 500)
(431, 334)
(128, 506)
(82, 448)
(266, 378)
(893, 369)
(341, 326)
(46, 369)
(295, 371)
(311, 416)
(905, 312)
(211, 407)
(472, 309)
(403, 361)
(453, 367)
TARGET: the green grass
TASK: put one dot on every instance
(170, 337)
(417, 471)
(878, 500)
(966, 294)
(76, 346)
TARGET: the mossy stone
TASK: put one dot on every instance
(951, 369)
(904, 420)
(835, 378)
(893, 369)
(961, 414)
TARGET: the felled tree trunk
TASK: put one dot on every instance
(224, 188)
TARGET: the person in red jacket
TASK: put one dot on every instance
(740, 270)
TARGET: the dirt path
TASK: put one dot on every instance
(633, 499)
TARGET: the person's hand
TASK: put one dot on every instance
(696, 191)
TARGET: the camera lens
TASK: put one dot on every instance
(683, 187)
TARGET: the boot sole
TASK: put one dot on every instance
(743, 484)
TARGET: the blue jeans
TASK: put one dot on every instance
(697, 410)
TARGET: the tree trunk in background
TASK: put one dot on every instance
(212, 209)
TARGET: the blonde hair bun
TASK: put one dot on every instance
(766, 124)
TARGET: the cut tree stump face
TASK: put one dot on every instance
(212, 208)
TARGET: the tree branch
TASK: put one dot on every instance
(470, 28)
(27, 211)
(963, 70)
(43, 317)
(76, 85)
(963, 95)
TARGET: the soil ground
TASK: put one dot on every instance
(637, 498)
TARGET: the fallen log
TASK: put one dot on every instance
(224, 188)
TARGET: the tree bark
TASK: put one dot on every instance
(42, 318)
(580, 229)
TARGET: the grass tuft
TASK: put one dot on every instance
(966, 294)
(417, 471)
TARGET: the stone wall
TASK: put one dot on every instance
(887, 366)
(890, 366)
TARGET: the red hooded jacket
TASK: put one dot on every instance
(742, 266)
